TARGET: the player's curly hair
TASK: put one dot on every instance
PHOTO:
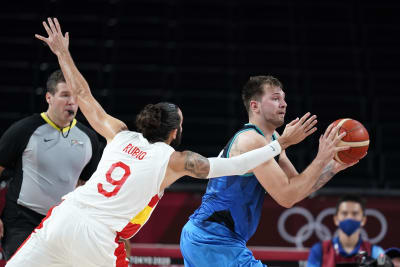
(55, 78)
(155, 122)
(253, 89)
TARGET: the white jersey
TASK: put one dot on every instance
(124, 189)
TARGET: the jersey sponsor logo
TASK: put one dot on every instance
(76, 142)
(134, 152)
(47, 140)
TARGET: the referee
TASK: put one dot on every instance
(47, 154)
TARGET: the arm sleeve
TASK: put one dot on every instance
(315, 256)
(97, 150)
(243, 163)
(376, 251)
(14, 141)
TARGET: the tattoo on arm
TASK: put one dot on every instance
(326, 175)
(196, 164)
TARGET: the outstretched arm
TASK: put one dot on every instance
(287, 191)
(102, 122)
(286, 186)
(195, 165)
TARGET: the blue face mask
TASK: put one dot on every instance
(349, 226)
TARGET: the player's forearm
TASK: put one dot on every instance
(325, 177)
(316, 175)
(243, 163)
(89, 106)
(73, 77)
(287, 166)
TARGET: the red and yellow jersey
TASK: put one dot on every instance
(125, 188)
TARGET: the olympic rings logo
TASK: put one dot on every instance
(321, 230)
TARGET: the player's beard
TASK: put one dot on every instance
(276, 122)
(279, 123)
(177, 141)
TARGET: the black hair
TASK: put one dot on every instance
(351, 198)
(155, 122)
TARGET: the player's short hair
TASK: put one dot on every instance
(351, 198)
(55, 78)
(155, 122)
(253, 89)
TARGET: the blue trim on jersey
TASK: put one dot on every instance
(244, 130)
(233, 140)
(258, 129)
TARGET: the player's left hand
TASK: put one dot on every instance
(56, 41)
(298, 129)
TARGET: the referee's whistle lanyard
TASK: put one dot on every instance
(61, 129)
(69, 129)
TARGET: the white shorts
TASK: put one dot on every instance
(69, 237)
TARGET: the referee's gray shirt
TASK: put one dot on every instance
(47, 163)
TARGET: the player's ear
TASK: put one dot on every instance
(335, 220)
(254, 106)
(172, 135)
(48, 98)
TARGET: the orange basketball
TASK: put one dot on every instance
(356, 137)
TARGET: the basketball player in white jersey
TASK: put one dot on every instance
(86, 228)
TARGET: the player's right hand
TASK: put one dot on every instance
(298, 129)
(328, 144)
(56, 41)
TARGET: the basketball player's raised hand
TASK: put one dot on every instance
(328, 144)
(298, 129)
(57, 42)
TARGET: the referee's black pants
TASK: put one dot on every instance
(19, 222)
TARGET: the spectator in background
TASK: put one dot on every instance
(45, 154)
(394, 255)
(349, 217)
